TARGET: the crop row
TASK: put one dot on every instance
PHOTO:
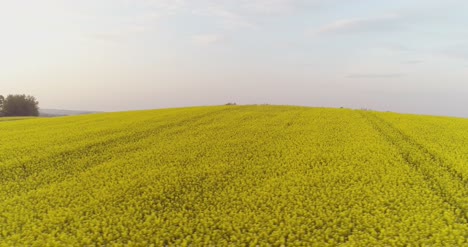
(215, 176)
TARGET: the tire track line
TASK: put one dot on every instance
(440, 179)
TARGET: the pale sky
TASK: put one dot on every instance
(407, 56)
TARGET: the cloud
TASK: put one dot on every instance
(207, 39)
(229, 18)
(399, 48)
(106, 36)
(412, 62)
(282, 7)
(456, 53)
(245, 13)
(166, 6)
(236, 13)
(117, 35)
(381, 23)
(376, 76)
(270, 6)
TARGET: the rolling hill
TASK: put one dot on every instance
(234, 175)
(61, 113)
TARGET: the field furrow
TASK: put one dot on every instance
(231, 175)
(443, 180)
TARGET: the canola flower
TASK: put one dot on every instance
(234, 175)
(5, 119)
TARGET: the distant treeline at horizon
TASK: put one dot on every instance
(18, 105)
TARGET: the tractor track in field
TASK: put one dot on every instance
(98, 148)
(443, 163)
(442, 179)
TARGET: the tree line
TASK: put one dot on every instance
(18, 105)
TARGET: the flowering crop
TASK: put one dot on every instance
(234, 175)
(5, 119)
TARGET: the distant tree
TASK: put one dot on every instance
(231, 103)
(20, 105)
(1, 105)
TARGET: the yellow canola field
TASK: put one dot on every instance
(234, 175)
(5, 119)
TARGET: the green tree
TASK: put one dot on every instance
(1, 104)
(20, 105)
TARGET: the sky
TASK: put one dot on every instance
(117, 55)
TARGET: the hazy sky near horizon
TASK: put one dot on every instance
(113, 55)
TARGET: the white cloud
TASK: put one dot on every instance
(242, 13)
(373, 24)
(413, 62)
(281, 7)
(207, 39)
(166, 6)
(229, 18)
(118, 35)
(458, 51)
(270, 6)
(376, 76)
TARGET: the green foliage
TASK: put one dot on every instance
(2, 99)
(231, 175)
(20, 105)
